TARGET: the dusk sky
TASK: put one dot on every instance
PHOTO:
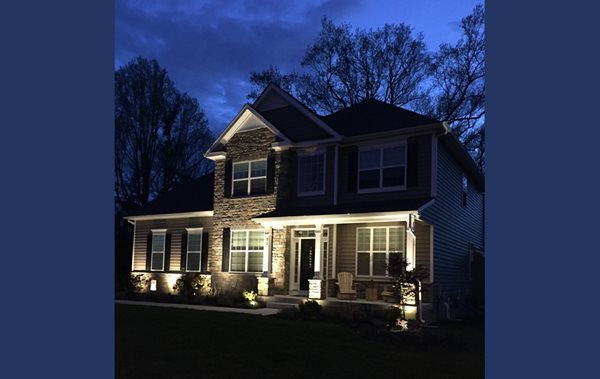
(210, 47)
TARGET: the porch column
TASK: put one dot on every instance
(267, 251)
(264, 280)
(318, 243)
(315, 285)
(410, 249)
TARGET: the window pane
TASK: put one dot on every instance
(379, 239)
(194, 241)
(369, 179)
(394, 156)
(257, 240)
(362, 264)
(364, 239)
(255, 263)
(310, 173)
(158, 242)
(193, 262)
(157, 261)
(396, 239)
(258, 186)
(379, 264)
(258, 168)
(238, 261)
(240, 170)
(393, 176)
(240, 188)
(238, 240)
(369, 159)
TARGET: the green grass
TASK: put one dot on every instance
(153, 342)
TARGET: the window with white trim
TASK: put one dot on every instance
(382, 168)
(157, 255)
(249, 178)
(311, 174)
(246, 251)
(194, 250)
(374, 246)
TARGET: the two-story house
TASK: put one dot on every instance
(296, 198)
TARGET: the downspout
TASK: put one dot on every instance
(420, 307)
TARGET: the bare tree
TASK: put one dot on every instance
(343, 67)
(160, 134)
(458, 85)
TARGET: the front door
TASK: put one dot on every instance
(307, 262)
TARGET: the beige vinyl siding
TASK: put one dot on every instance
(176, 228)
(346, 244)
(423, 248)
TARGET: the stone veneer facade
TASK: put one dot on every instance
(236, 213)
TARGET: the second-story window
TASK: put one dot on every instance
(382, 168)
(311, 174)
(250, 178)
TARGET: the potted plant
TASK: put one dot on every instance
(371, 292)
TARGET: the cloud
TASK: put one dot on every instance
(209, 48)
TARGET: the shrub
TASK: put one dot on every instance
(189, 285)
(392, 314)
(310, 308)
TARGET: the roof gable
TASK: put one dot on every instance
(298, 120)
(246, 119)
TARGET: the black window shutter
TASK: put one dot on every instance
(204, 261)
(225, 260)
(148, 251)
(167, 252)
(353, 170)
(271, 173)
(228, 177)
(412, 155)
(182, 267)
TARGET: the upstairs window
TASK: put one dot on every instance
(157, 257)
(194, 250)
(250, 178)
(381, 169)
(311, 174)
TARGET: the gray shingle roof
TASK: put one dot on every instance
(193, 196)
(372, 116)
(353, 208)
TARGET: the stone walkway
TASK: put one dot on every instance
(259, 311)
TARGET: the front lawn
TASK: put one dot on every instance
(153, 342)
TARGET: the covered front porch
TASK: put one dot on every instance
(319, 247)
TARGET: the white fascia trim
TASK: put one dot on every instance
(170, 216)
(236, 124)
(426, 205)
(348, 218)
(278, 146)
(216, 155)
(301, 107)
